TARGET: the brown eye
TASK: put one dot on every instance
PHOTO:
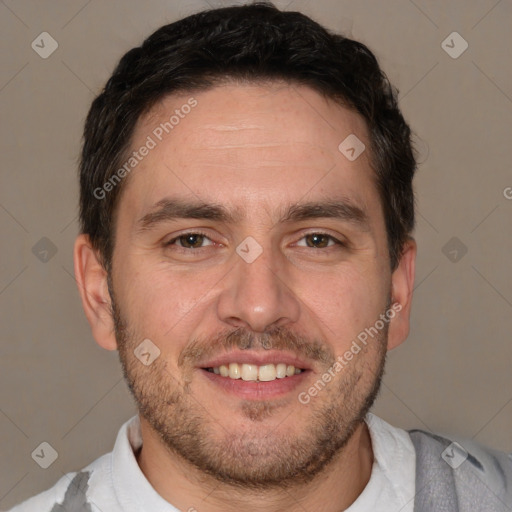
(317, 240)
(190, 241)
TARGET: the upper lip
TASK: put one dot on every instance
(256, 358)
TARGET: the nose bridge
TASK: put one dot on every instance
(255, 295)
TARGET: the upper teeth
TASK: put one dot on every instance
(263, 373)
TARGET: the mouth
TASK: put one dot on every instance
(255, 375)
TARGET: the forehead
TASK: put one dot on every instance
(249, 146)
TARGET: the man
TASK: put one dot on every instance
(246, 219)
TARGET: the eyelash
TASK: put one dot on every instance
(173, 240)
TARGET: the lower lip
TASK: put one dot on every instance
(256, 390)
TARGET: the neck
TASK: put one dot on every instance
(186, 488)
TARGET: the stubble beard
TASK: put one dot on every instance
(258, 458)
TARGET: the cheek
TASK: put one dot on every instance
(163, 304)
(345, 304)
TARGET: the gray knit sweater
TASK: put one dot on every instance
(466, 479)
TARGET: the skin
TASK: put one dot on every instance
(256, 149)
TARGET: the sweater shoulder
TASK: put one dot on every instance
(463, 472)
(73, 491)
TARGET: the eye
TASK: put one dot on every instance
(189, 241)
(198, 240)
(319, 241)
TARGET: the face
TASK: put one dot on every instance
(247, 242)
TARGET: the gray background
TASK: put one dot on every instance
(452, 375)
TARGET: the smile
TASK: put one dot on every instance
(253, 372)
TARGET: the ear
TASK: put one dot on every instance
(402, 283)
(91, 278)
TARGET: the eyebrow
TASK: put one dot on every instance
(169, 209)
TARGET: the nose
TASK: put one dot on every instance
(257, 296)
